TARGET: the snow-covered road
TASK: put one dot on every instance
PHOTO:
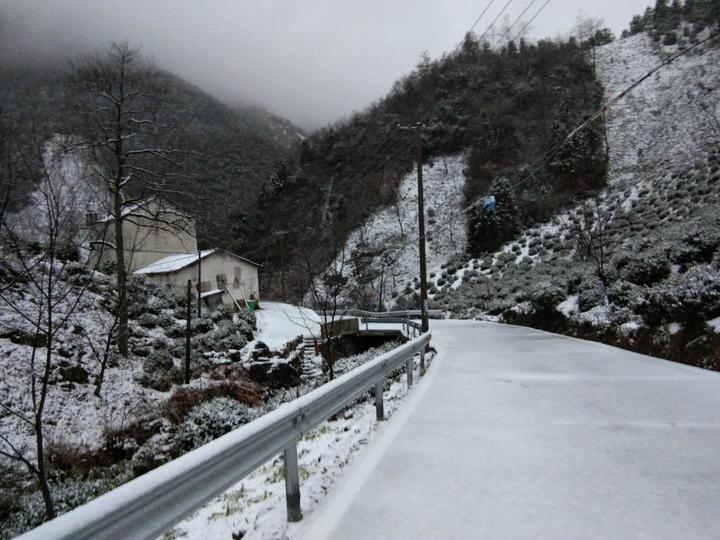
(515, 433)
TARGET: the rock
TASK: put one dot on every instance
(76, 374)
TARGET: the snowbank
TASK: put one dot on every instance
(279, 323)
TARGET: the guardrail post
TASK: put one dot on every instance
(379, 406)
(422, 361)
(409, 364)
(292, 483)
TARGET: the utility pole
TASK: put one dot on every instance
(199, 289)
(188, 332)
(418, 129)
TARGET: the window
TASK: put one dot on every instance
(238, 277)
(221, 281)
(91, 218)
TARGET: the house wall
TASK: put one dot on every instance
(246, 286)
(147, 239)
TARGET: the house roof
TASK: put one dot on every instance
(175, 263)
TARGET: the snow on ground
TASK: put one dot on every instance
(279, 323)
(658, 130)
(569, 306)
(715, 325)
(256, 505)
(394, 230)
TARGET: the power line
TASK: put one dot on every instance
(524, 11)
(477, 21)
(520, 33)
(599, 113)
(495, 20)
(529, 171)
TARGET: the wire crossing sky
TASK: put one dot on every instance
(312, 61)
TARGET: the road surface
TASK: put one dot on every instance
(516, 433)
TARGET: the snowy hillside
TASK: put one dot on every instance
(656, 223)
(390, 237)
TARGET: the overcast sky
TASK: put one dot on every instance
(312, 61)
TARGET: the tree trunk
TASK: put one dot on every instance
(39, 435)
(122, 305)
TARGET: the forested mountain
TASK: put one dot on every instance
(503, 107)
(229, 152)
(637, 264)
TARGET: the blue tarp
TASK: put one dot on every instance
(489, 203)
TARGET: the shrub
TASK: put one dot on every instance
(165, 321)
(690, 298)
(201, 325)
(624, 294)
(159, 370)
(148, 320)
(546, 296)
(184, 399)
(591, 293)
(645, 269)
(212, 419)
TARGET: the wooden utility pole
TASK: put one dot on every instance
(188, 332)
(199, 286)
(418, 128)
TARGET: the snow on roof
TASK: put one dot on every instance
(173, 263)
(212, 292)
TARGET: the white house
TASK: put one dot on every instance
(152, 229)
(225, 278)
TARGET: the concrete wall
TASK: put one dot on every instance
(148, 239)
(246, 285)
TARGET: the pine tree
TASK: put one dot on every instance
(488, 230)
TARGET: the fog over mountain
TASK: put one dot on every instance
(312, 61)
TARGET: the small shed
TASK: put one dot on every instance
(225, 278)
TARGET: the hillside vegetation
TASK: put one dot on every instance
(229, 152)
(502, 108)
(638, 265)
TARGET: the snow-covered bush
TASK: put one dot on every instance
(159, 370)
(624, 294)
(591, 293)
(201, 325)
(546, 296)
(165, 321)
(642, 268)
(148, 320)
(211, 420)
(690, 298)
(67, 494)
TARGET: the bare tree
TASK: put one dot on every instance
(588, 229)
(40, 296)
(331, 292)
(121, 123)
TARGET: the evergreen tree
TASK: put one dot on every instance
(487, 229)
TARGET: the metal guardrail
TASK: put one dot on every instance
(410, 329)
(408, 314)
(149, 505)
